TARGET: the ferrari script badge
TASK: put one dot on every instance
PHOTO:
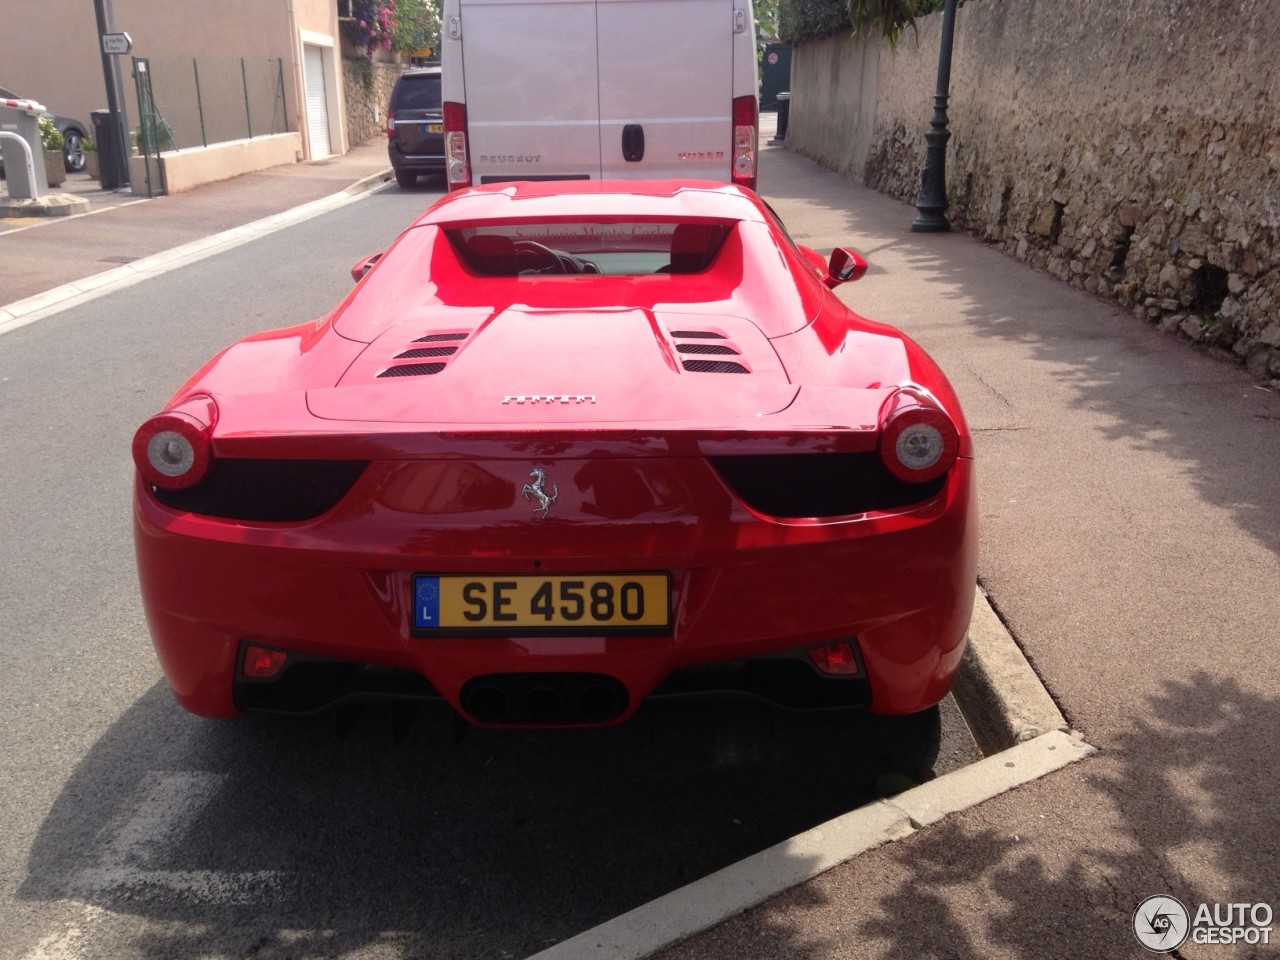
(535, 489)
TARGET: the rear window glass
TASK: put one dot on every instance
(418, 93)
(610, 248)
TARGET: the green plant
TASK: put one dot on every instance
(153, 135)
(361, 70)
(88, 144)
(372, 24)
(50, 138)
(417, 25)
(811, 19)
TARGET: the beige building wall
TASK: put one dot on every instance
(67, 77)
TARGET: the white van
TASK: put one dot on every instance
(599, 89)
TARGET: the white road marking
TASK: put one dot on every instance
(70, 943)
(167, 805)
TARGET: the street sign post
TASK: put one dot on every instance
(116, 43)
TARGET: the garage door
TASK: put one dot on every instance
(317, 102)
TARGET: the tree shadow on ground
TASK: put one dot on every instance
(997, 883)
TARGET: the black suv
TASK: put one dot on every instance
(415, 126)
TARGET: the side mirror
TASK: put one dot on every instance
(845, 266)
(364, 266)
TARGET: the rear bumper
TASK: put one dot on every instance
(743, 587)
(417, 162)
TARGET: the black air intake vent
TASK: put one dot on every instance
(441, 337)
(714, 366)
(697, 335)
(820, 484)
(412, 370)
(706, 348)
(426, 352)
(277, 491)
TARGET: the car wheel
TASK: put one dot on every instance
(406, 178)
(73, 150)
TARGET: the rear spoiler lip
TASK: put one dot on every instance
(279, 425)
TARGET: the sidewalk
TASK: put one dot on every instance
(1130, 511)
(121, 228)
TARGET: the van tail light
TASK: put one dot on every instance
(918, 441)
(457, 162)
(746, 136)
(173, 450)
(391, 124)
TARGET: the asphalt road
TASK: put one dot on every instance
(131, 829)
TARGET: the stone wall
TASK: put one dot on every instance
(368, 91)
(1130, 148)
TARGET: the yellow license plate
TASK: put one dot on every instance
(435, 128)
(597, 603)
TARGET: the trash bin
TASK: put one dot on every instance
(110, 156)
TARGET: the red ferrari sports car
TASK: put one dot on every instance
(565, 447)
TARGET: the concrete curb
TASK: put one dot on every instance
(1015, 722)
(42, 305)
(998, 692)
(50, 205)
(704, 903)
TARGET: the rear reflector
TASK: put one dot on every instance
(457, 162)
(746, 129)
(837, 658)
(263, 663)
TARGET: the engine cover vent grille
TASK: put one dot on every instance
(706, 348)
(714, 366)
(412, 370)
(426, 352)
(440, 337)
(697, 335)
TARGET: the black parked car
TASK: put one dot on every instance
(415, 126)
(73, 133)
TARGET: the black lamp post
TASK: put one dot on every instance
(933, 186)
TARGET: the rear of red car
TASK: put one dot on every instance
(544, 469)
(560, 580)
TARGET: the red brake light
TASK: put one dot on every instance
(837, 658)
(918, 442)
(263, 663)
(391, 124)
(172, 450)
(746, 135)
(457, 161)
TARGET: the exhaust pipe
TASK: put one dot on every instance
(488, 704)
(597, 704)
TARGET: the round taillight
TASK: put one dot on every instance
(172, 451)
(919, 443)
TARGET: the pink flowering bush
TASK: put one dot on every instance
(372, 24)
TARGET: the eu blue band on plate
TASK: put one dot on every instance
(426, 602)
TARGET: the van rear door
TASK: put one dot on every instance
(532, 86)
(676, 119)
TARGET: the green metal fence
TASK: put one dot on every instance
(187, 102)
